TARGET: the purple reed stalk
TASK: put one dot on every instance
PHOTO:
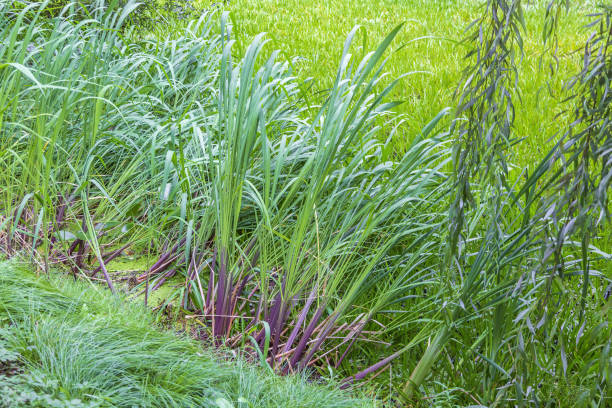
(271, 316)
(271, 312)
(227, 292)
(282, 323)
(300, 321)
(276, 328)
(165, 256)
(73, 246)
(280, 313)
(162, 262)
(299, 350)
(352, 342)
(321, 338)
(106, 277)
(160, 268)
(373, 368)
(236, 294)
(283, 313)
(163, 279)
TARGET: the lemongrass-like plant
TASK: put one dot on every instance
(284, 228)
(299, 226)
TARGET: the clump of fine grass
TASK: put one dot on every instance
(76, 344)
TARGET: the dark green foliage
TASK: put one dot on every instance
(508, 272)
(580, 206)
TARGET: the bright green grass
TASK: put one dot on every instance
(428, 49)
(81, 347)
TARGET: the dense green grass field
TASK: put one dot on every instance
(428, 50)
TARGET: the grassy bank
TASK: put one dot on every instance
(70, 344)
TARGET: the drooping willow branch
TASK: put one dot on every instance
(579, 167)
(579, 203)
(485, 112)
(482, 127)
